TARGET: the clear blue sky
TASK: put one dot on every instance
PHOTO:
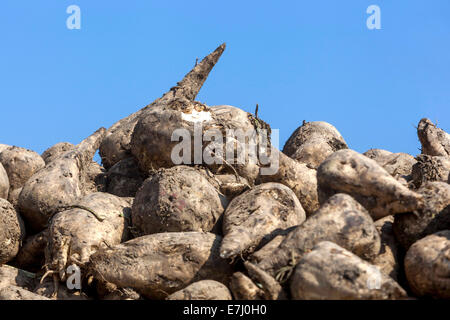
(300, 60)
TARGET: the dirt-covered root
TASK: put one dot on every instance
(59, 184)
(433, 217)
(268, 249)
(388, 258)
(270, 286)
(178, 199)
(243, 288)
(94, 173)
(31, 255)
(427, 266)
(61, 292)
(20, 164)
(117, 144)
(350, 172)
(4, 183)
(435, 141)
(246, 141)
(18, 293)
(160, 264)
(330, 272)
(399, 165)
(430, 168)
(99, 220)
(341, 220)
(313, 142)
(124, 178)
(203, 290)
(111, 292)
(231, 185)
(12, 231)
(245, 170)
(298, 177)
(257, 216)
(396, 164)
(55, 151)
(11, 276)
(227, 180)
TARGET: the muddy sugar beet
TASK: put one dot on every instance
(197, 202)
(263, 212)
(160, 264)
(176, 200)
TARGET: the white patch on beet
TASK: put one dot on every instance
(196, 116)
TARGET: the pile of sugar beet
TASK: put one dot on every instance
(331, 223)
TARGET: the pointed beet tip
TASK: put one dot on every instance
(191, 84)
